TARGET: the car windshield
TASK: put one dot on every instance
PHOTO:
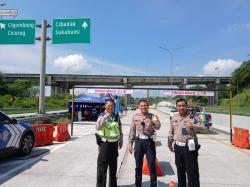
(4, 119)
(194, 110)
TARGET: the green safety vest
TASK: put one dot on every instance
(110, 130)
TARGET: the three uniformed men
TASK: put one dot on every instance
(183, 142)
(142, 132)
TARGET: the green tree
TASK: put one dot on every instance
(223, 93)
(199, 100)
(23, 88)
(241, 75)
(3, 85)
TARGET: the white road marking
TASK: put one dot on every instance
(62, 145)
(34, 160)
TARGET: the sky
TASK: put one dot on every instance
(205, 38)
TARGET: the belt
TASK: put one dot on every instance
(180, 143)
(109, 140)
(144, 137)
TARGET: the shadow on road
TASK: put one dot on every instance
(147, 184)
(12, 166)
(166, 168)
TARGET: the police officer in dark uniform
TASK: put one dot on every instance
(142, 132)
(109, 138)
(183, 142)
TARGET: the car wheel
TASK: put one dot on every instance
(27, 144)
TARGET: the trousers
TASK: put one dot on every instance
(145, 146)
(107, 157)
(187, 163)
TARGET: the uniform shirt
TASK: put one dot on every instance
(178, 130)
(101, 121)
(138, 129)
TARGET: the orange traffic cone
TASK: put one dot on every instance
(145, 168)
(171, 184)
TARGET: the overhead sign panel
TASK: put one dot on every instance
(110, 91)
(8, 12)
(190, 93)
(17, 31)
(71, 31)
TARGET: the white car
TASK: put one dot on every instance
(173, 111)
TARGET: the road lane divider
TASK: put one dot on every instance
(44, 134)
(62, 132)
(241, 138)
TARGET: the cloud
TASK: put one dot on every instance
(248, 26)
(179, 68)
(26, 59)
(220, 67)
(74, 62)
(236, 27)
(19, 59)
(112, 68)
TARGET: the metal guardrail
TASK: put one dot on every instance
(28, 110)
(23, 116)
(242, 111)
(41, 117)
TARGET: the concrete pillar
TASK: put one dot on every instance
(56, 90)
(211, 100)
(127, 86)
(184, 86)
(48, 81)
(128, 96)
(216, 93)
(52, 90)
(185, 83)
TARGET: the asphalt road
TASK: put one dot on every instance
(73, 163)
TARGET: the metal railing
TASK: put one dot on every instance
(29, 110)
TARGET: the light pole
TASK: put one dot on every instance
(217, 69)
(2, 4)
(68, 78)
(171, 52)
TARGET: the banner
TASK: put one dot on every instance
(190, 93)
(110, 91)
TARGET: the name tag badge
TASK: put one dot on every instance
(184, 131)
(191, 145)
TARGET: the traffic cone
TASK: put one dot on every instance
(145, 168)
(171, 184)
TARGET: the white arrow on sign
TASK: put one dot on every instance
(2, 26)
(84, 25)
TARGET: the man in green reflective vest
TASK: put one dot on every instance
(110, 136)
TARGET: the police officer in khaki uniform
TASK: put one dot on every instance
(183, 142)
(142, 132)
(109, 139)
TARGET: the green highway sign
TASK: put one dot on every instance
(17, 31)
(71, 31)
